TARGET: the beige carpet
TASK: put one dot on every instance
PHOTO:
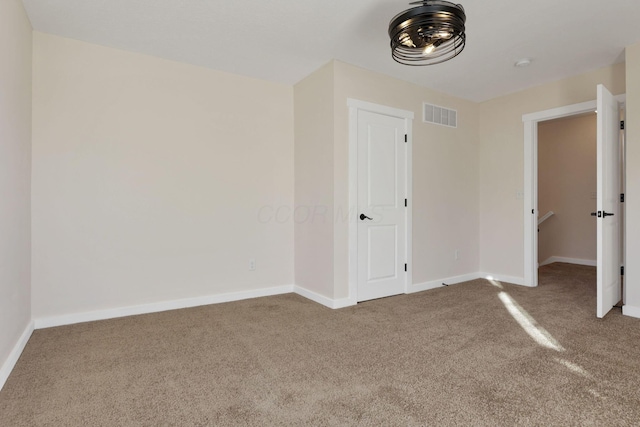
(458, 355)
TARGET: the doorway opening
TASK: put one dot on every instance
(567, 190)
(608, 125)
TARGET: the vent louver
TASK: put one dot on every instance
(439, 115)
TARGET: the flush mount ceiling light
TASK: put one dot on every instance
(428, 34)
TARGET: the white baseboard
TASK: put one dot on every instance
(502, 278)
(321, 299)
(343, 303)
(419, 287)
(416, 287)
(11, 361)
(551, 260)
(631, 311)
(69, 319)
(90, 316)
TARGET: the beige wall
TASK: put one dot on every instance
(15, 175)
(445, 176)
(501, 162)
(632, 280)
(567, 182)
(154, 180)
(313, 104)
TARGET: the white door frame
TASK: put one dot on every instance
(355, 106)
(531, 121)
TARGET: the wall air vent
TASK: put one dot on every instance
(439, 115)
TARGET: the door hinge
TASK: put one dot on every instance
(405, 138)
(622, 124)
(405, 203)
(621, 197)
(533, 211)
(622, 270)
(405, 267)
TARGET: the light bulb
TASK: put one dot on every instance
(406, 40)
(429, 49)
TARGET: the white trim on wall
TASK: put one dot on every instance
(380, 109)
(531, 121)
(90, 316)
(552, 259)
(353, 198)
(530, 203)
(321, 299)
(531, 181)
(502, 278)
(434, 284)
(355, 106)
(114, 313)
(70, 319)
(11, 361)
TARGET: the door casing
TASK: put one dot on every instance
(355, 106)
(531, 121)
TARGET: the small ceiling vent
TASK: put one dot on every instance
(439, 115)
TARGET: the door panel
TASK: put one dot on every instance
(608, 215)
(381, 194)
(382, 168)
(383, 252)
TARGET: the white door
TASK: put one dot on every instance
(608, 213)
(382, 214)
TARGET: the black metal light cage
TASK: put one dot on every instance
(428, 34)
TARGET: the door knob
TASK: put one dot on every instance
(363, 217)
(601, 214)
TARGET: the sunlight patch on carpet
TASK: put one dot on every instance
(576, 369)
(529, 324)
(494, 282)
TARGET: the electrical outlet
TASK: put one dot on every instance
(252, 264)
(456, 254)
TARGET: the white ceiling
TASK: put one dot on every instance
(286, 40)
